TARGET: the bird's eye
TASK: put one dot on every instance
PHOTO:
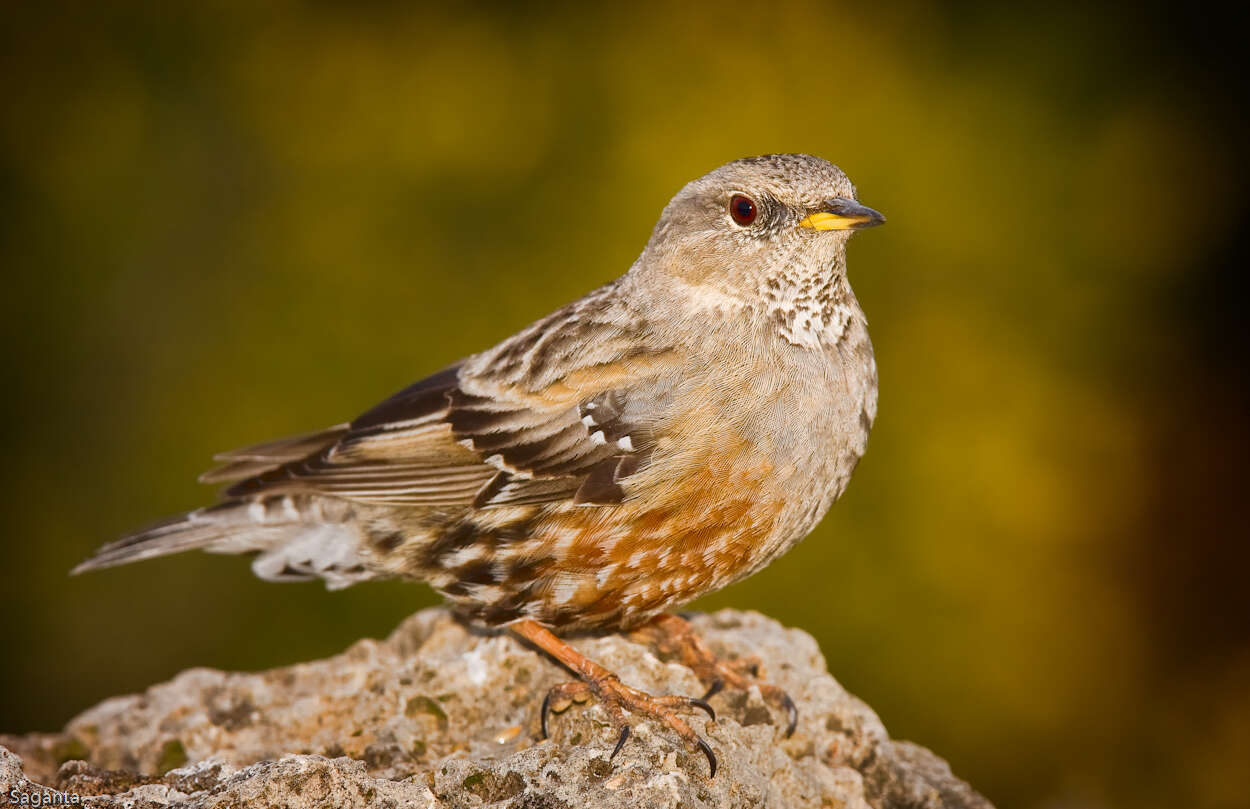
(743, 209)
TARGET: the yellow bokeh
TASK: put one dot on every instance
(233, 221)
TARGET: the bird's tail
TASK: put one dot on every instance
(297, 539)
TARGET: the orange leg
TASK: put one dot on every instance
(615, 695)
(674, 635)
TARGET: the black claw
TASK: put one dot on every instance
(793, 713)
(702, 704)
(711, 757)
(542, 713)
(620, 742)
(715, 688)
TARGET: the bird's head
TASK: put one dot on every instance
(757, 224)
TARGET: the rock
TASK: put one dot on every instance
(444, 715)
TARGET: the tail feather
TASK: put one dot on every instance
(297, 539)
(191, 531)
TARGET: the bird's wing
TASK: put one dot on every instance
(243, 463)
(560, 411)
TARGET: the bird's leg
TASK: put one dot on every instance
(617, 698)
(672, 634)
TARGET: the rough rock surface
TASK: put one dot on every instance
(442, 715)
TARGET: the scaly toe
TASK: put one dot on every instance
(671, 634)
(559, 698)
(618, 698)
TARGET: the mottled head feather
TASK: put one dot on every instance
(792, 275)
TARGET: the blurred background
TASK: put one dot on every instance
(226, 222)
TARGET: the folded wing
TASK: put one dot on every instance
(564, 410)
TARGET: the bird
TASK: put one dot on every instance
(668, 434)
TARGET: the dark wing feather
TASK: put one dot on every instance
(400, 451)
(417, 401)
(259, 458)
(472, 436)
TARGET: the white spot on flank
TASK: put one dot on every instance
(256, 511)
(566, 587)
(604, 573)
(624, 443)
(589, 421)
(487, 592)
(598, 438)
(463, 556)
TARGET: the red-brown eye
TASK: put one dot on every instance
(742, 209)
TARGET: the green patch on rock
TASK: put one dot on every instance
(71, 749)
(173, 756)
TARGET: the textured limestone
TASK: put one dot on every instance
(442, 715)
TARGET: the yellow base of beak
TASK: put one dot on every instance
(831, 221)
(844, 214)
(827, 221)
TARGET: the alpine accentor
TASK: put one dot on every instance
(666, 435)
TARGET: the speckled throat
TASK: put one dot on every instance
(811, 305)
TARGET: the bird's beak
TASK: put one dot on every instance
(841, 213)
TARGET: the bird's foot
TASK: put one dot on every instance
(674, 635)
(616, 697)
(620, 699)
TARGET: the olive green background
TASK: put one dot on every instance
(226, 222)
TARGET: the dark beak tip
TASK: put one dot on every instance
(844, 206)
(868, 218)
